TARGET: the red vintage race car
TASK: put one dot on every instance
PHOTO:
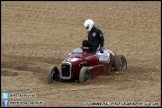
(81, 65)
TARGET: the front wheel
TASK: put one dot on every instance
(120, 62)
(53, 74)
(84, 74)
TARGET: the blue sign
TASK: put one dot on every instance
(5, 95)
(4, 102)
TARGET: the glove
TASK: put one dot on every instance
(101, 50)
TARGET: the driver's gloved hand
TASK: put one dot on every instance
(101, 50)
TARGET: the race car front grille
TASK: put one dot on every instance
(66, 70)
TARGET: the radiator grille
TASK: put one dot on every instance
(65, 70)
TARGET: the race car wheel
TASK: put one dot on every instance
(84, 74)
(120, 63)
(53, 74)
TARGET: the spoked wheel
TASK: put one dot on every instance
(120, 63)
(53, 74)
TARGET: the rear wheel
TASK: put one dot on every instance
(120, 62)
(84, 74)
(53, 74)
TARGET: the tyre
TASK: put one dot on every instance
(53, 74)
(84, 74)
(120, 62)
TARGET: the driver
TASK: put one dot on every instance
(95, 37)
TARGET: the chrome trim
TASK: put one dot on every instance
(67, 63)
(82, 63)
(92, 67)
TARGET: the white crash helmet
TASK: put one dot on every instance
(88, 24)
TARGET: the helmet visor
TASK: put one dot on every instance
(87, 28)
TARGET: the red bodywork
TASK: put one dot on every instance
(79, 59)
